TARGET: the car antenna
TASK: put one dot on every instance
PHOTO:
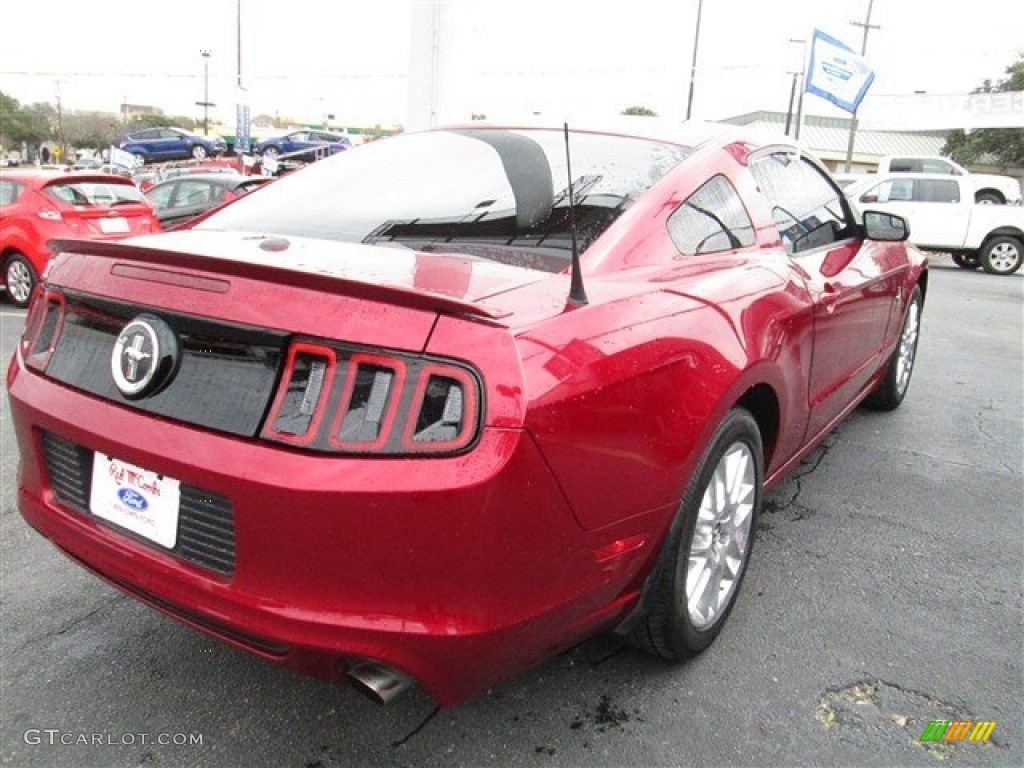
(577, 294)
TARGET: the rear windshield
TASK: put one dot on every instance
(493, 194)
(89, 193)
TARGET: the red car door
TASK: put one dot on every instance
(852, 282)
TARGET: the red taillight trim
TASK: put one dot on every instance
(33, 320)
(38, 361)
(469, 410)
(394, 396)
(319, 409)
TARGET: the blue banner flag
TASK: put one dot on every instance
(836, 73)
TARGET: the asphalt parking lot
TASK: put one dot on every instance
(885, 591)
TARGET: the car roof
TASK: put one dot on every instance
(41, 177)
(691, 133)
(225, 177)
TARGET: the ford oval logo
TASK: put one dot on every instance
(133, 499)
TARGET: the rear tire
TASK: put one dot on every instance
(1002, 255)
(702, 563)
(890, 391)
(19, 278)
(198, 152)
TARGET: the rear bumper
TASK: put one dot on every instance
(457, 571)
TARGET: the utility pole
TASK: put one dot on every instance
(867, 26)
(693, 65)
(206, 103)
(60, 121)
(238, 40)
(798, 74)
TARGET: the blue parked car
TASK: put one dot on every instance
(297, 141)
(152, 144)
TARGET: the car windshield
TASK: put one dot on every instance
(487, 193)
(94, 193)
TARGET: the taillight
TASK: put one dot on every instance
(444, 396)
(340, 400)
(298, 407)
(42, 328)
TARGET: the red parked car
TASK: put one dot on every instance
(430, 412)
(39, 206)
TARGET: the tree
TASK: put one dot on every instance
(96, 130)
(160, 121)
(1004, 146)
(29, 124)
(641, 111)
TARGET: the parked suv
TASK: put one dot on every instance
(151, 144)
(988, 188)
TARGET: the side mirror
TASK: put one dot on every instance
(885, 227)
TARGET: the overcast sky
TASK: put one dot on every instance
(351, 59)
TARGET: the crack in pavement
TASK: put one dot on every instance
(796, 478)
(417, 729)
(71, 624)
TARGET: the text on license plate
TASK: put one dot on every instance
(134, 498)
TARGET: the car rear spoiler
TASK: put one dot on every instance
(392, 294)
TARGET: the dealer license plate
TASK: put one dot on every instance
(135, 498)
(114, 226)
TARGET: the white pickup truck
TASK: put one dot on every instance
(988, 188)
(944, 216)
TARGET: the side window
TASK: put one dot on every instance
(937, 191)
(9, 192)
(161, 197)
(933, 165)
(901, 165)
(147, 135)
(196, 193)
(712, 219)
(890, 191)
(805, 206)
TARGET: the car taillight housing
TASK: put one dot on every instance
(339, 399)
(43, 325)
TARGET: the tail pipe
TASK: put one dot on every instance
(381, 683)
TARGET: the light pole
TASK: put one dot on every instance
(205, 103)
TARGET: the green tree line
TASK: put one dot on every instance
(40, 122)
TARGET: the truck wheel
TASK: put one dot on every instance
(988, 197)
(966, 260)
(1002, 255)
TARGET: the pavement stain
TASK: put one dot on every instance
(878, 709)
(602, 717)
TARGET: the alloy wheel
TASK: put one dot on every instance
(19, 281)
(908, 347)
(721, 536)
(1003, 257)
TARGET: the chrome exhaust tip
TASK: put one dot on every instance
(382, 684)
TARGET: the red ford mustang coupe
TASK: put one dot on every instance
(430, 411)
